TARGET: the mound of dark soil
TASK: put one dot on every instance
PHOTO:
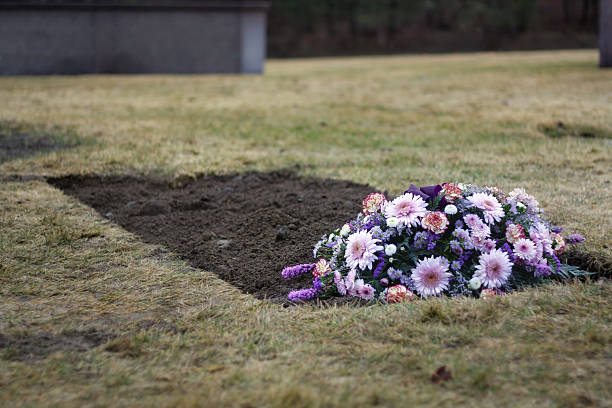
(244, 228)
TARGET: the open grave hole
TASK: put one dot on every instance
(245, 228)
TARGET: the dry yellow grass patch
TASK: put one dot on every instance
(115, 322)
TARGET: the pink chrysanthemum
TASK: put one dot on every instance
(481, 230)
(540, 234)
(373, 203)
(407, 208)
(366, 292)
(471, 220)
(488, 245)
(339, 283)
(492, 209)
(435, 221)
(525, 249)
(514, 232)
(493, 268)
(361, 249)
(430, 276)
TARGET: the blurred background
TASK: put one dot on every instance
(298, 28)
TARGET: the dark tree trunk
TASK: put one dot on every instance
(605, 33)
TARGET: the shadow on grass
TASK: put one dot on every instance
(20, 139)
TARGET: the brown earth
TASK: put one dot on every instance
(245, 228)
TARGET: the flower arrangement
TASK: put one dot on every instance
(449, 239)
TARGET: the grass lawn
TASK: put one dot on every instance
(117, 322)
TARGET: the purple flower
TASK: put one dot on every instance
(459, 224)
(293, 271)
(558, 262)
(394, 274)
(316, 284)
(456, 247)
(427, 193)
(456, 265)
(557, 230)
(302, 294)
(542, 270)
(507, 249)
(381, 264)
(573, 239)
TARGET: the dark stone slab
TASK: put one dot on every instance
(133, 36)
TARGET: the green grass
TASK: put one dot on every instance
(387, 121)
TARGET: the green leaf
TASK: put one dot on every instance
(568, 271)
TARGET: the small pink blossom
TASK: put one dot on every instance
(514, 232)
(361, 249)
(525, 249)
(407, 209)
(430, 276)
(373, 203)
(491, 208)
(435, 221)
(493, 268)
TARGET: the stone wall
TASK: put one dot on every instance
(131, 36)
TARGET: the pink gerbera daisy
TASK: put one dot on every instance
(525, 249)
(493, 269)
(361, 249)
(407, 208)
(430, 276)
(492, 209)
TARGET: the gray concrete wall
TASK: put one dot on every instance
(114, 39)
(605, 33)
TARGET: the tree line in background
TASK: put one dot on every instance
(345, 27)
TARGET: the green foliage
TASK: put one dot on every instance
(571, 271)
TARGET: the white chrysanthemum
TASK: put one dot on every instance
(450, 209)
(492, 209)
(493, 268)
(474, 283)
(392, 222)
(525, 249)
(390, 249)
(361, 250)
(407, 208)
(430, 276)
